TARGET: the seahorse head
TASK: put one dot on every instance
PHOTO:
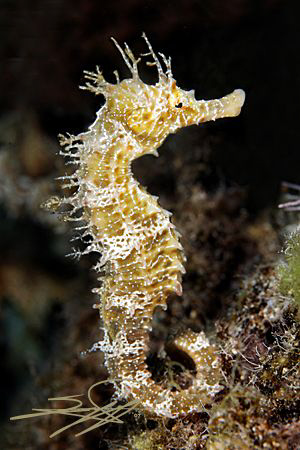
(151, 112)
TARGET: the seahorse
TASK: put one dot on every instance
(141, 260)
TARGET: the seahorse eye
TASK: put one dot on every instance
(179, 105)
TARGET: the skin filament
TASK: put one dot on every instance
(140, 253)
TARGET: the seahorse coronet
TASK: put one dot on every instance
(141, 259)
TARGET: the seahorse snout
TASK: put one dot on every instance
(233, 103)
(228, 106)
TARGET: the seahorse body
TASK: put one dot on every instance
(141, 256)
